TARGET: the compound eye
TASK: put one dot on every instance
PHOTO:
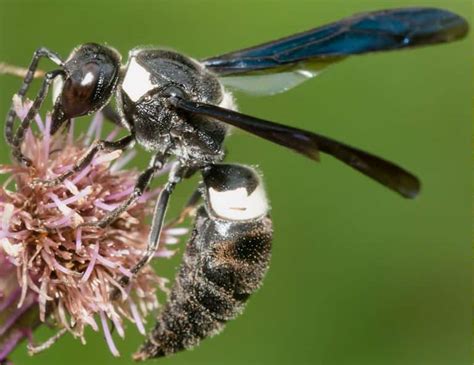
(93, 72)
(79, 93)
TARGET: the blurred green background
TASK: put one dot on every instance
(358, 274)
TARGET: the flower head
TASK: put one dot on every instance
(58, 268)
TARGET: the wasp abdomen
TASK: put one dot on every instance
(224, 263)
(230, 271)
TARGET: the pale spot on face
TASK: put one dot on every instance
(237, 204)
(89, 78)
(137, 81)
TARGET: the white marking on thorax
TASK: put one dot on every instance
(237, 204)
(87, 79)
(137, 81)
(228, 100)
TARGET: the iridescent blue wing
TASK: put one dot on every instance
(302, 56)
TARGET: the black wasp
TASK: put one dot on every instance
(178, 107)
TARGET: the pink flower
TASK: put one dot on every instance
(53, 268)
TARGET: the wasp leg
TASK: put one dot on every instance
(225, 261)
(113, 116)
(17, 140)
(188, 209)
(176, 175)
(142, 184)
(97, 146)
(30, 74)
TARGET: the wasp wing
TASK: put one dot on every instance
(304, 55)
(269, 83)
(309, 144)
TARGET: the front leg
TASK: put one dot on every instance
(29, 74)
(17, 139)
(114, 116)
(143, 182)
(97, 146)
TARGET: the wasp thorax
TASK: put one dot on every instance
(234, 192)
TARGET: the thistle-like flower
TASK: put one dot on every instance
(54, 268)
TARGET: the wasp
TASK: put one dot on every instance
(177, 107)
